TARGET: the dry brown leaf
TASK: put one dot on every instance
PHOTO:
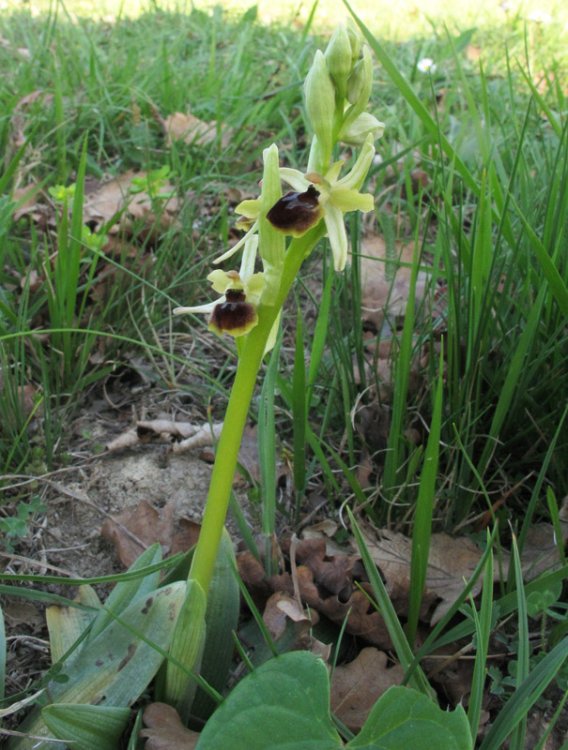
(27, 204)
(360, 616)
(334, 573)
(165, 730)
(451, 562)
(540, 551)
(164, 430)
(27, 398)
(139, 526)
(193, 131)
(323, 529)
(385, 285)
(18, 120)
(373, 422)
(251, 570)
(356, 686)
(104, 200)
(279, 609)
(20, 612)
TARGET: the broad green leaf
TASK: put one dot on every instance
(67, 624)
(119, 674)
(126, 591)
(116, 667)
(86, 727)
(221, 619)
(283, 705)
(186, 651)
(403, 718)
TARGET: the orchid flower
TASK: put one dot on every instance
(325, 197)
(235, 311)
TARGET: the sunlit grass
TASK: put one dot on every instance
(399, 21)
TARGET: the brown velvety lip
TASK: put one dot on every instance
(295, 213)
(235, 315)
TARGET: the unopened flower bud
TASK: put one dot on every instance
(355, 83)
(360, 82)
(354, 40)
(320, 102)
(357, 131)
(339, 60)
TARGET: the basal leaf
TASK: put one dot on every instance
(86, 727)
(403, 718)
(283, 705)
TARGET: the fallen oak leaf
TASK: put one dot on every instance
(355, 687)
(385, 281)
(113, 201)
(193, 131)
(165, 730)
(451, 562)
(139, 526)
(281, 610)
(357, 612)
(334, 573)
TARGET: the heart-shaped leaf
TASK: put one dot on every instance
(283, 705)
(403, 718)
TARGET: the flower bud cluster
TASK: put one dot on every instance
(337, 91)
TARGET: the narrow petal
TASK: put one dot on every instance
(249, 257)
(337, 236)
(232, 250)
(294, 178)
(273, 335)
(333, 172)
(355, 178)
(271, 244)
(207, 308)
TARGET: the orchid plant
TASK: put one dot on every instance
(282, 230)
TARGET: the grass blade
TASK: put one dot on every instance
(523, 653)
(267, 453)
(422, 530)
(394, 458)
(483, 634)
(401, 645)
(525, 697)
(413, 100)
(299, 412)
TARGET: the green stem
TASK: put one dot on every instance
(237, 411)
